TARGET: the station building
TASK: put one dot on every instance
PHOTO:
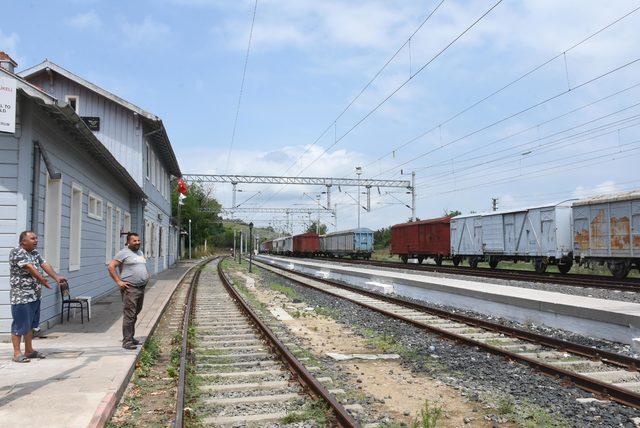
(81, 167)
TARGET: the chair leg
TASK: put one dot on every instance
(68, 312)
(62, 315)
(82, 312)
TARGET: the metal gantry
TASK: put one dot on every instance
(328, 182)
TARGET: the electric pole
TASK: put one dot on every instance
(494, 204)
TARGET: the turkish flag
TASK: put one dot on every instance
(182, 186)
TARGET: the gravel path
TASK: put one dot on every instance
(479, 376)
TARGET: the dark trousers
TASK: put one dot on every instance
(132, 299)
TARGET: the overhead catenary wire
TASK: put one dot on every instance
(501, 89)
(402, 85)
(510, 116)
(392, 93)
(530, 128)
(244, 74)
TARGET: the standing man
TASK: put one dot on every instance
(132, 277)
(26, 277)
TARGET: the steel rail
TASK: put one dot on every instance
(575, 280)
(621, 395)
(186, 320)
(300, 372)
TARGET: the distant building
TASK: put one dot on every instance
(137, 139)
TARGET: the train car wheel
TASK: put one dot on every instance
(420, 260)
(405, 259)
(493, 262)
(473, 262)
(540, 266)
(438, 260)
(565, 267)
(456, 260)
(619, 269)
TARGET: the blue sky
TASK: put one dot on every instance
(183, 59)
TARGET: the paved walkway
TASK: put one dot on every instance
(86, 369)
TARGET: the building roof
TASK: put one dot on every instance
(5, 57)
(75, 126)
(156, 130)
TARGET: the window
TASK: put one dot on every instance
(118, 229)
(153, 168)
(75, 227)
(72, 100)
(108, 234)
(161, 242)
(148, 161)
(147, 238)
(52, 222)
(95, 207)
(127, 222)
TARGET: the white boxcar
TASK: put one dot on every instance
(283, 245)
(606, 229)
(541, 234)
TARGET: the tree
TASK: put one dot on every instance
(451, 213)
(382, 238)
(321, 230)
(202, 209)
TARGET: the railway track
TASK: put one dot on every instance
(576, 280)
(608, 375)
(246, 375)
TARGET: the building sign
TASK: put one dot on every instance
(92, 122)
(7, 104)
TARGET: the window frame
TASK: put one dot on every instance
(76, 98)
(117, 229)
(148, 171)
(108, 233)
(53, 218)
(97, 199)
(75, 257)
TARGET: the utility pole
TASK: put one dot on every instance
(494, 204)
(413, 196)
(318, 219)
(235, 253)
(240, 252)
(190, 238)
(250, 245)
(358, 173)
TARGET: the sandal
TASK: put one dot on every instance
(36, 354)
(20, 359)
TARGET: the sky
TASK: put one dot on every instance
(527, 102)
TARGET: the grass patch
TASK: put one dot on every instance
(428, 416)
(525, 413)
(287, 291)
(148, 357)
(327, 312)
(315, 410)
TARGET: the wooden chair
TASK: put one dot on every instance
(70, 302)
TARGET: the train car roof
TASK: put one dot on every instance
(609, 197)
(306, 234)
(428, 221)
(340, 232)
(565, 202)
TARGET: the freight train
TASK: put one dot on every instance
(604, 230)
(354, 243)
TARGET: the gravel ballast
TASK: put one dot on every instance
(478, 375)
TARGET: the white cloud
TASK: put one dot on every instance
(85, 20)
(9, 43)
(145, 33)
(605, 187)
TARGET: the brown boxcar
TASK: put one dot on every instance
(422, 239)
(306, 244)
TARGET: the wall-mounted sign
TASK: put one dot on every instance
(7, 104)
(92, 122)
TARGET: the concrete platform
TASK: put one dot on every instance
(86, 369)
(608, 319)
